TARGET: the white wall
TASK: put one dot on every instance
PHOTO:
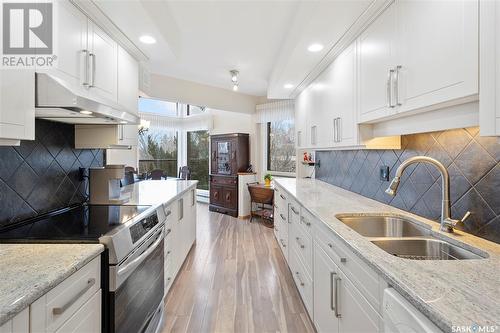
(172, 89)
(235, 122)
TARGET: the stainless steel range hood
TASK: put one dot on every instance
(57, 100)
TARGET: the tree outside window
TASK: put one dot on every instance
(281, 154)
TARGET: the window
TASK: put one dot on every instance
(156, 106)
(193, 109)
(158, 150)
(281, 146)
(197, 157)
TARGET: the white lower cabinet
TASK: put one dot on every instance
(86, 319)
(338, 304)
(73, 306)
(180, 234)
(20, 323)
(67, 305)
(339, 291)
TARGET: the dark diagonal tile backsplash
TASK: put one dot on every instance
(473, 163)
(42, 175)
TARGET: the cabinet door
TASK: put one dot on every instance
(216, 195)
(128, 135)
(128, 81)
(376, 56)
(322, 110)
(325, 272)
(344, 88)
(19, 324)
(438, 41)
(230, 197)
(103, 63)
(86, 319)
(17, 110)
(71, 27)
(356, 314)
(301, 114)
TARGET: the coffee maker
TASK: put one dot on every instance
(105, 185)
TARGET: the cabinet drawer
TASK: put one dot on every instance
(86, 319)
(362, 276)
(302, 243)
(302, 280)
(51, 310)
(307, 220)
(218, 180)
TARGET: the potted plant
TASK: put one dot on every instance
(267, 179)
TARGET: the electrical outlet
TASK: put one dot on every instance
(384, 173)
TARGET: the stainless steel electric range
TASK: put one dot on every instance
(132, 269)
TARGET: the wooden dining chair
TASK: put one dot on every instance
(263, 198)
(156, 174)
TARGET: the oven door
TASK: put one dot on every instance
(137, 287)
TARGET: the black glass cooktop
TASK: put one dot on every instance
(78, 224)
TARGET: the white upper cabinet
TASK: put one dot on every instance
(326, 111)
(489, 96)
(438, 46)
(418, 56)
(103, 63)
(128, 81)
(302, 109)
(376, 59)
(71, 30)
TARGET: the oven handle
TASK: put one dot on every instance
(134, 263)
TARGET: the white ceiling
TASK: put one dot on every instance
(201, 41)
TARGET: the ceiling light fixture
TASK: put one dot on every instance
(146, 39)
(315, 47)
(234, 78)
(288, 86)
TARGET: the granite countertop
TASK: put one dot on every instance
(156, 192)
(28, 271)
(449, 292)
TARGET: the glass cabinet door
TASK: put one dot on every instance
(224, 157)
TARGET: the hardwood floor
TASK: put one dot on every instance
(235, 279)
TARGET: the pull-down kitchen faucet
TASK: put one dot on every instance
(447, 223)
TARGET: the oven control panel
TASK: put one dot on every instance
(141, 228)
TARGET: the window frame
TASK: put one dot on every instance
(266, 129)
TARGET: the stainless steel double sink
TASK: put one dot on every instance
(404, 238)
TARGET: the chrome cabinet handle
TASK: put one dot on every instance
(299, 138)
(336, 282)
(342, 259)
(283, 217)
(302, 246)
(389, 89)
(167, 231)
(334, 129)
(294, 210)
(169, 279)
(304, 221)
(60, 310)
(396, 84)
(339, 129)
(298, 278)
(332, 289)
(85, 54)
(167, 213)
(282, 197)
(282, 243)
(92, 69)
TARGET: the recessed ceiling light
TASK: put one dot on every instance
(85, 112)
(123, 122)
(146, 39)
(315, 47)
(235, 87)
(288, 86)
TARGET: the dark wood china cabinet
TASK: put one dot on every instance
(229, 154)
